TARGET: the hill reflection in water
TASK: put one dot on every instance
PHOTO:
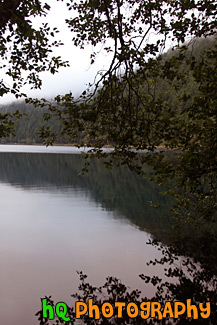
(115, 190)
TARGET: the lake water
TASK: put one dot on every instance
(55, 221)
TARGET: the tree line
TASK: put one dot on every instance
(26, 128)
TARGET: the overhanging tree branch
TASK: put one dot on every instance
(7, 9)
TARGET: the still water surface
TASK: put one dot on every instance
(54, 222)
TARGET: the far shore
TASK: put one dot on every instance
(107, 146)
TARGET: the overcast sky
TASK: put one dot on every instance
(78, 75)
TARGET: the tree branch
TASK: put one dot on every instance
(7, 9)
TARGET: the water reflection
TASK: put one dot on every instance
(119, 191)
(115, 190)
(54, 222)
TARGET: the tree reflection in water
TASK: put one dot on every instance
(187, 278)
(193, 277)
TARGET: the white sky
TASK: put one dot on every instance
(78, 75)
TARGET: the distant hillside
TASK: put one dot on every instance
(27, 128)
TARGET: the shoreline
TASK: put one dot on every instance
(107, 146)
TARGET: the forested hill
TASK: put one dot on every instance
(27, 128)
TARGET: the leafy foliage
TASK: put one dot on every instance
(25, 50)
(185, 279)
